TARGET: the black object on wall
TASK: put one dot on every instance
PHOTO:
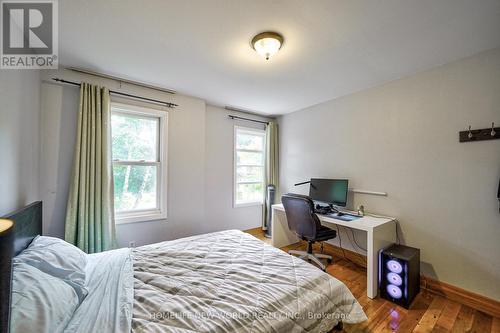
(498, 196)
(399, 274)
(491, 133)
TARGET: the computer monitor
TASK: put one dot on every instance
(330, 191)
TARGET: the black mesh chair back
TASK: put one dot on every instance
(300, 215)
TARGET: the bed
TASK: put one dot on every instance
(226, 281)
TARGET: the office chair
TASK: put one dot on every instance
(303, 221)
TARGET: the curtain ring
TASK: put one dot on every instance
(470, 133)
(493, 133)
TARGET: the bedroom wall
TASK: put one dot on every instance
(186, 163)
(219, 174)
(19, 130)
(402, 138)
(196, 135)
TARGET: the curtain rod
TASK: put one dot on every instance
(248, 119)
(119, 79)
(167, 104)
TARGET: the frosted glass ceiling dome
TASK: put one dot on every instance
(267, 43)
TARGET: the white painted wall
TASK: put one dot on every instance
(58, 136)
(402, 138)
(199, 165)
(19, 131)
(219, 174)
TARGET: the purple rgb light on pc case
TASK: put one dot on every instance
(394, 266)
(394, 279)
(399, 274)
(394, 291)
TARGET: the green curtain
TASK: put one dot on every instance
(272, 164)
(90, 211)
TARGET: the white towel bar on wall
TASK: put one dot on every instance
(354, 190)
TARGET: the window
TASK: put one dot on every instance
(139, 141)
(249, 162)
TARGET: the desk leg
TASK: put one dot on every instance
(280, 234)
(378, 238)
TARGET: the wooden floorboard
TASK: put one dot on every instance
(481, 322)
(431, 315)
(463, 323)
(428, 313)
(447, 318)
(495, 325)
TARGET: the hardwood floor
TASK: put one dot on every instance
(428, 313)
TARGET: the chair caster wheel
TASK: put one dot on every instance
(329, 261)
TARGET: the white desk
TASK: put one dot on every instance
(380, 233)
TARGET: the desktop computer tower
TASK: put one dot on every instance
(399, 274)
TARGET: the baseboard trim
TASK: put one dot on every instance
(446, 290)
(462, 296)
(451, 292)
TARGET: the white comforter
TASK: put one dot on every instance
(232, 282)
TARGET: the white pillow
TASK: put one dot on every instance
(40, 302)
(59, 259)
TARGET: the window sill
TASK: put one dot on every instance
(248, 204)
(138, 218)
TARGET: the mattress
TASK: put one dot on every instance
(230, 281)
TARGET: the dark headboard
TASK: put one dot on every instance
(27, 225)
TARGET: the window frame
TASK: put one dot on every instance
(160, 212)
(252, 131)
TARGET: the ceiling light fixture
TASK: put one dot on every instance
(267, 43)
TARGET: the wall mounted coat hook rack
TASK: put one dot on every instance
(490, 133)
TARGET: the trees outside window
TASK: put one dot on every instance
(139, 163)
(249, 162)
